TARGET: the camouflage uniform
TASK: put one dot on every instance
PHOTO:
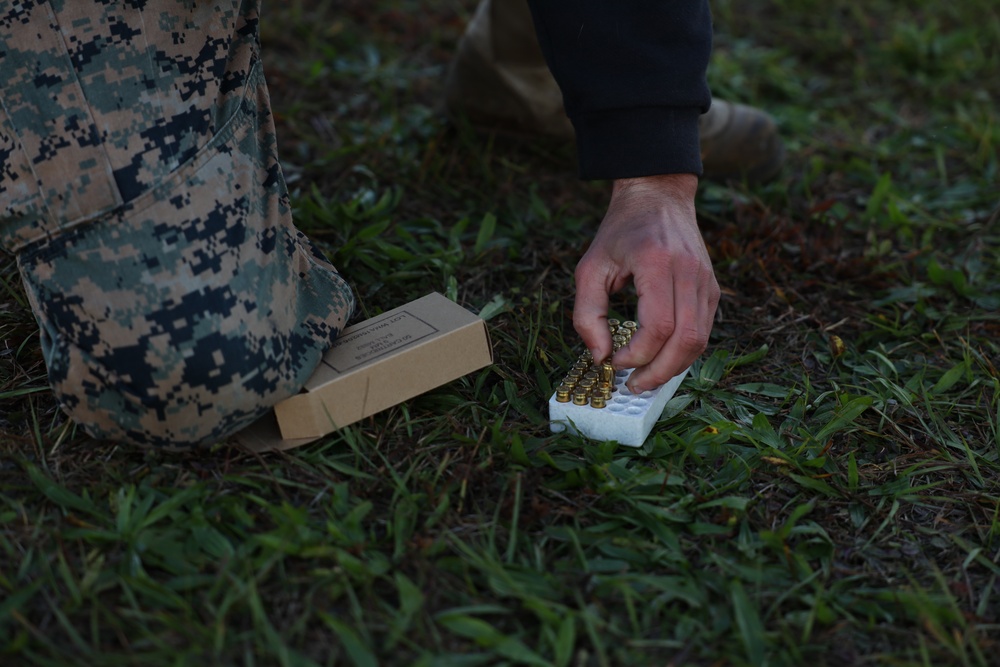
(142, 196)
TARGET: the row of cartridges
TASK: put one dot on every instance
(592, 383)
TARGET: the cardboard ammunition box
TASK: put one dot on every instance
(375, 365)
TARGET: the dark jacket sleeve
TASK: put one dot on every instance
(632, 74)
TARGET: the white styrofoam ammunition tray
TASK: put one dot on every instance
(627, 418)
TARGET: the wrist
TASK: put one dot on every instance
(683, 186)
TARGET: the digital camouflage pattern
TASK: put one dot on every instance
(141, 191)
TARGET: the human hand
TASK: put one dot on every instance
(649, 235)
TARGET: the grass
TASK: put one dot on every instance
(824, 489)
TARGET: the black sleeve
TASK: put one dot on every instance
(632, 74)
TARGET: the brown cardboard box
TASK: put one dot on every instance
(375, 365)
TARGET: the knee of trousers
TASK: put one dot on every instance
(142, 349)
(149, 394)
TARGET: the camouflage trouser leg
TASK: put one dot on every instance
(141, 192)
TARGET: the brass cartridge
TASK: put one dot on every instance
(607, 372)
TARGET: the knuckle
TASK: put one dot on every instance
(691, 264)
(693, 339)
(588, 266)
(661, 258)
(660, 330)
(714, 297)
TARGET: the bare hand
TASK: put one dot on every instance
(649, 235)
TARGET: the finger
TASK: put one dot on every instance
(590, 309)
(687, 341)
(655, 313)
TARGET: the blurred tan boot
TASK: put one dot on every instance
(499, 81)
(738, 141)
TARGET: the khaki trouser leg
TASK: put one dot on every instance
(499, 78)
